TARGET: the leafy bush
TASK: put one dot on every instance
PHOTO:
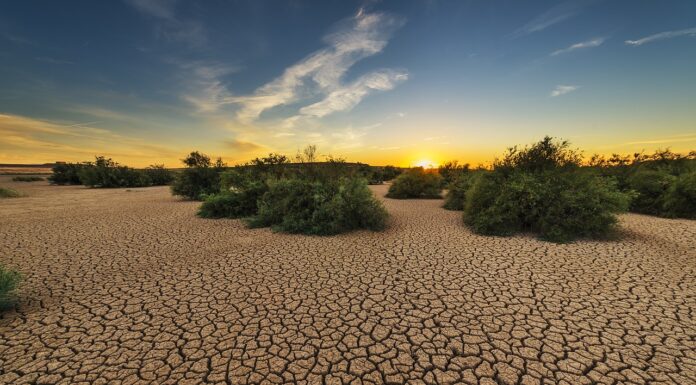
(107, 173)
(27, 179)
(456, 194)
(158, 175)
(451, 171)
(200, 178)
(650, 186)
(66, 173)
(542, 189)
(9, 279)
(390, 172)
(416, 183)
(319, 207)
(9, 193)
(680, 199)
(239, 203)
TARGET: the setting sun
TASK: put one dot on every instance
(426, 163)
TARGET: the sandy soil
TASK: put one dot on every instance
(130, 287)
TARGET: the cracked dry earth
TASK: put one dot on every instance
(131, 287)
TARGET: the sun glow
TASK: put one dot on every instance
(425, 163)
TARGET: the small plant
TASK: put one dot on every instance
(9, 279)
(200, 178)
(237, 203)
(9, 193)
(27, 179)
(416, 183)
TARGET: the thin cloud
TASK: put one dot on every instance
(242, 146)
(585, 44)
(562, 90)
(662, 36)
(170, 26)
(321, 72)
(206, 91)
(555, 15)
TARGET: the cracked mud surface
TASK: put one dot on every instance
(130, 287)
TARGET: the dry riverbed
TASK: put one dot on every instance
(129, 286)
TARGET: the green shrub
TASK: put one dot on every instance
(9, 279)
(319, 207)
(240, 203)
(200, 178)
(650, 186)
(416, 183)
(451, 171)
(390, 172)
(542, 189)
(27, 179)
(107, 173)
(66, 173)
(9, 193)
(158, 175)
(456, 194)
(680, 199)
(558, 205)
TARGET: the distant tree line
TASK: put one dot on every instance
(105, 172)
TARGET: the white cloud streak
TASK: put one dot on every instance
(662, 36)
(562, 90)
(321, 72)
(555, 15)
(585, 44)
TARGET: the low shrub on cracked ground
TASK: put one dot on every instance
(319, 207)
(543, 190)
(9, 193)
(27, 179)
(9, 279)
(416, 183)
(200, 178)
(456, 194)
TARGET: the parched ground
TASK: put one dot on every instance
(131, 287)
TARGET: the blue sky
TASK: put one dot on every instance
(373, 81)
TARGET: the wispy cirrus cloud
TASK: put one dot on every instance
(554, 15)
(562, 90)
(662, 36)
(204, 86)
(321, 73)
(170, 26)
(585, 44)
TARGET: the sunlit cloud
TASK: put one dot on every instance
(585, 44)
(662, 36)
(562, 90)
(243, 146)
(321, 72)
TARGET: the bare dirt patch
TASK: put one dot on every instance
(129, 287)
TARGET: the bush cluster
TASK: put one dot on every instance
(107, 173)
(9, 193)
(451, 172)
(416, 183)
(9, 279)
(67, 173)
(456, 193)
(24, 178)
(200, 178)
(660, 182)
(541, 189)
(304, 197)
